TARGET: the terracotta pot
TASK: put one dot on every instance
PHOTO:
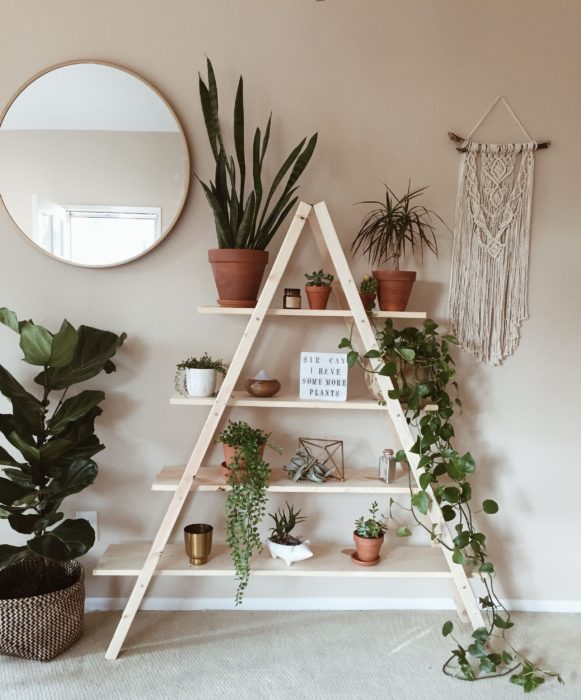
(395, 287)
(238, 273)
(231, 451)
(367, 299)
(367, 548)
(318, 297)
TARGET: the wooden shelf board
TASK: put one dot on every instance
(241, 398)
(328, 560)
(358, 481)
(326, 313)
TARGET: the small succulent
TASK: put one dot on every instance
(319, 279)
(284, 522)
(373, 527)
(368, 284)
(304, 466)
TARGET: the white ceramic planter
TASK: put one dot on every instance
(201, 382)
(288, 552)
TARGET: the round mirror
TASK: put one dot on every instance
(94, 165)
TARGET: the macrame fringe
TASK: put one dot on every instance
(489, 278)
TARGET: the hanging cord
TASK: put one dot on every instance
(466, 141)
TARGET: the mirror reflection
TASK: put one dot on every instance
(94, 166)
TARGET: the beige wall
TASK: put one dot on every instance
(143, 169)
(382, 81)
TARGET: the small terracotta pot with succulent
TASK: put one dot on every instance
(368, 537)
(368, 291)
(318, 289)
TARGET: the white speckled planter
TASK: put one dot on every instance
(201, 382)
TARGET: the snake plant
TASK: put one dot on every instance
(247, 221)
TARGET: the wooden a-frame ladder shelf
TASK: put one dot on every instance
(161, 558)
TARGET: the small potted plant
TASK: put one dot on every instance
(198, 376)
(281, 543)
(247, 478)
(387, 233)
(235, 435)
(42, 590)
(368, 537)
(367, 292)
(318, 289)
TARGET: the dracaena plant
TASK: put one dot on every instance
(56, 443)
(420, 364)
(395, 226)
(247, 220)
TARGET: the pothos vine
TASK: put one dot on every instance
(421, 368)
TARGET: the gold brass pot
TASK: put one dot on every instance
(198, 539)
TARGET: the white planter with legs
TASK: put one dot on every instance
(201, 382)
(289, 552)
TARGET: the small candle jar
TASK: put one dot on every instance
(292, 299)
(387, 466)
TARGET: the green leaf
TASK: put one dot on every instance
(425, 480)
(469, 464)
(403, 531)
(486, 568)
(74, 408)
(400, 456)
(63, 345)
(506, 657)
(6, 458)
(10, 554)
(36, 344)
(458, 556)
(477, 650)
(11, 492)
(448, 512)
(447, 628)
(372, 354)
(388, 370)
(486, 665)
(420, 501)
(30, 452)
(8, 318)
(27, 524)
(69, 540)
(501, 623)
(345, 343)
(239, 134)
(24, 404)
(92, 354)
(490, 506)
(481, 634)
(352, 358)
(73, 478)
(451, 494)
(462, 539)
(407, 354)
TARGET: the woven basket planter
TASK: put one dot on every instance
(42, 626)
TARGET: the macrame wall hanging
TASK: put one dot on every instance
(490, 257)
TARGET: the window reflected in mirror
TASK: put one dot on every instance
(94, 166)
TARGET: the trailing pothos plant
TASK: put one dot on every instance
(421, 368)
(56, 444)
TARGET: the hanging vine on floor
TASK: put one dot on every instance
(421, 368)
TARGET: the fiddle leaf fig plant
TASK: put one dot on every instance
(55, 443)
(420, 365)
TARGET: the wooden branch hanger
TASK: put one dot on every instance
(463, 141)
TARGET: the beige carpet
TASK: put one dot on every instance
(248, 655)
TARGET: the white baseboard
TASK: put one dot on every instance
(290, 604)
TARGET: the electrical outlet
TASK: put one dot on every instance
(91, 517)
